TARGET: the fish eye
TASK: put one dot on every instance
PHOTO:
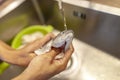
(62, 33)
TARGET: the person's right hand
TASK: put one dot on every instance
(45, 66)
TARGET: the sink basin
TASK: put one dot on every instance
(87, 63)
(96, 42)
(91, 64)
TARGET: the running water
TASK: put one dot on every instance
(62, 12)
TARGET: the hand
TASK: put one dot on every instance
(45, 66)
(22, 56)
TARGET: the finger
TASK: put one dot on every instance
(68, 54)
(43, 41)
(47, 38)
(60, 64)
(38, 43)
(53, 52)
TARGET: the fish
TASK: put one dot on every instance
(63, 40)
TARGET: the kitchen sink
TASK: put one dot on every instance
(86, 63)
(96, 41)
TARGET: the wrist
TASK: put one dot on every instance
(26, 75)
(7, 55)
(23, 76)
(3, 53)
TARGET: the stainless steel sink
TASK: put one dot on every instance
(87, 63)
(96, 42)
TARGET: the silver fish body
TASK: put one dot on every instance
(63, 38)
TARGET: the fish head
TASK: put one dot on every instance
(63, 39)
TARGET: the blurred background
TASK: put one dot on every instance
(94, 22)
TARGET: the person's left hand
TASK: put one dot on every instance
(23, 56)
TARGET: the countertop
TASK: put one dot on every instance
(114, 3)
(106, 6)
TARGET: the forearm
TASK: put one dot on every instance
(5, 51)
(3, 44)
(26, 77)
(30, 74)
(21, 77)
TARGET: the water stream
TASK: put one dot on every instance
(60, 4)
